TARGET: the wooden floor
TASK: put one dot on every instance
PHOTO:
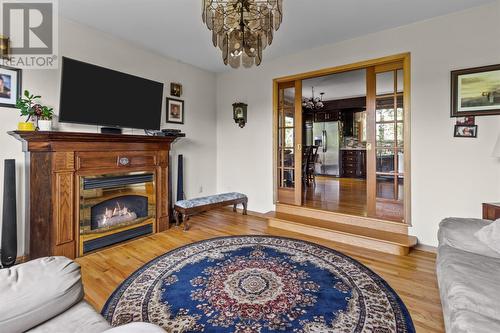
(413, 277)
(348, 196)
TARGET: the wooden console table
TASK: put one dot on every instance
(56, 160)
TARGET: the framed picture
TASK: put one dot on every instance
(10, 86)
(175, 111)
(176, 89)
(465, 131)
(466, 120)
(475, 91)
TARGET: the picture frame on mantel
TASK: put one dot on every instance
(175, 111)
(475, 91)
(10, 86)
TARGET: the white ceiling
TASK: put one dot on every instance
(174, 28)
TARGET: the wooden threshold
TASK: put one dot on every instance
(377, 240)
(359, 221)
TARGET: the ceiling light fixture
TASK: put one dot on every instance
(242, 28)
(313, 103)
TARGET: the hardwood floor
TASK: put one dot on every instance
(348, 196)
(413, 276)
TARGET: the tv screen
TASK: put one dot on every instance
(99, 96)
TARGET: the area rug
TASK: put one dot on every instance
(258, 284)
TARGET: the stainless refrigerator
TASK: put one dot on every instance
(326, 136)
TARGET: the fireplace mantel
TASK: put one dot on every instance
(55, 162)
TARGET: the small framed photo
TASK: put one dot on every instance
(10, 86)
(466, 120)
(176, 89)
(465, 131)
(475, 91)
(175, 111)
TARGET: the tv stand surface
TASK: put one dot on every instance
(43, 140)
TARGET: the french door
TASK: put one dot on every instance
(288, 124)
(386, 128)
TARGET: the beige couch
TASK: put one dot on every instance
(46, 295)
(468, 273)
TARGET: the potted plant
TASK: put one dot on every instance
(35, 113)
(45, 115)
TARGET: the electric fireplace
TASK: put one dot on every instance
(115, 208)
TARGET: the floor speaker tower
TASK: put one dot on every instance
(180, 178)
(9, 216)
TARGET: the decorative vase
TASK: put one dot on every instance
(45, 125)
(26, 126)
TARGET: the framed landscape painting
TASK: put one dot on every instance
(475, 91)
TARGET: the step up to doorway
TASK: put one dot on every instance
(360, 221)
(369, 238)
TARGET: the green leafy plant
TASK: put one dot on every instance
(30, 108)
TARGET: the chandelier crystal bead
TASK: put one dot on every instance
(242, 28)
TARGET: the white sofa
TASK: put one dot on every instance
(46, 295)
(468, 273)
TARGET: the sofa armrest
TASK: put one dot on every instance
(36, 291)
(136, 328)
(459, 234)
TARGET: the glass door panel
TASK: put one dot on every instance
(287, 148)
(389, 134)
(386, 176)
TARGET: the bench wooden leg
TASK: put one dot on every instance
(176, 215)
(185, 218)
(234, 207)
(245, 203)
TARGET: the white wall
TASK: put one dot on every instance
(450, 176)
(82, 43)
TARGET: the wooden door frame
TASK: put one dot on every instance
(402, 57)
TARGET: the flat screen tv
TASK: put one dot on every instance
(99, 96)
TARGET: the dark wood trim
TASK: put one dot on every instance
(454, 91)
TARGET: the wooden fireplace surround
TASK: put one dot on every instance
(55, 161)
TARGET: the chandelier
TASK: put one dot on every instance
(313, 103)
(242, 28)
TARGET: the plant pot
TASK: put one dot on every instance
(45, 125)
(26, 126)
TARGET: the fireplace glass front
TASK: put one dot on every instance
(115, 208)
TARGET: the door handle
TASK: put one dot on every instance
(325, 142)
(368, 146)
(299, 147)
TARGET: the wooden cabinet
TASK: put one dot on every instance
(324, 116)
(491, 211)
(353, 163)
(57, 160)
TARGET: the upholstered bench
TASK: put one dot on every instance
(187, 208)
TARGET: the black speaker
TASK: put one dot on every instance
(180, 178)
(9, 216)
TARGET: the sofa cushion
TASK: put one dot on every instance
(490, 236)
(37, 291)
(80, 318)
(137, 328)
(468, 281)
(464, 321)
(459, 233)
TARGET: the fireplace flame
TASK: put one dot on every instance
(117, 215)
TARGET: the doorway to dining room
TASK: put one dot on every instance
(343, 139)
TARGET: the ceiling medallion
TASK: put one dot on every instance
(313, 103)
(242, 28)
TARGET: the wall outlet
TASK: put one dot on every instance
(201, 189)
